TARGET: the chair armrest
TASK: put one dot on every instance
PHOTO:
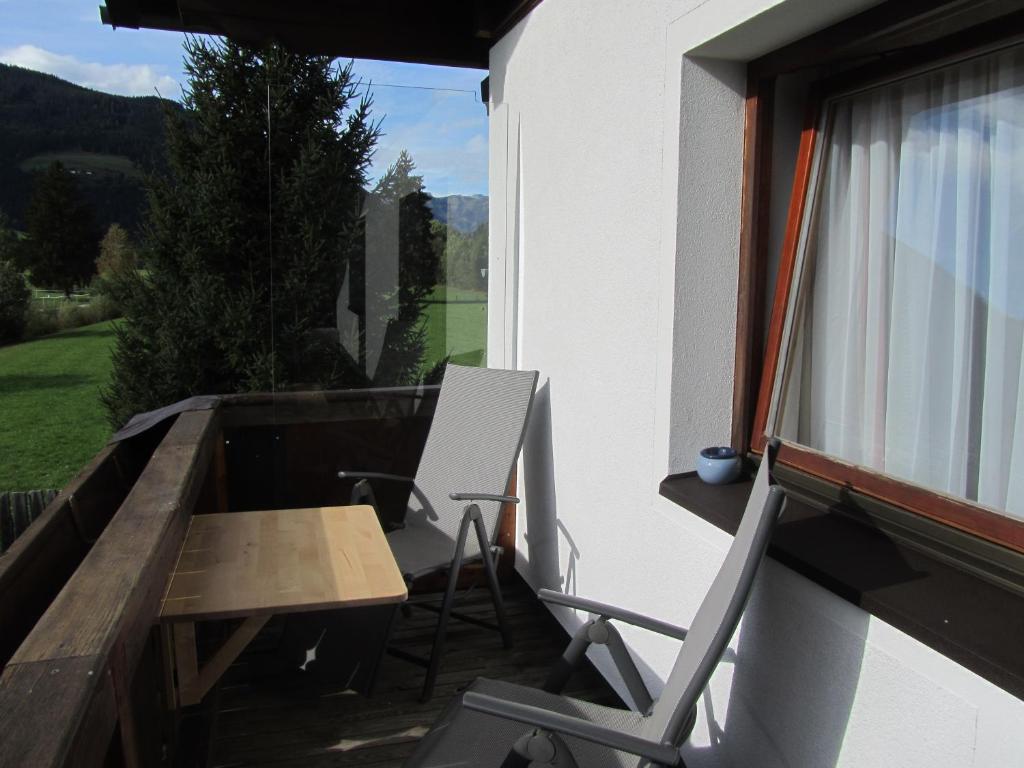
(571, 726)
(483, 497)
(347, 474)
(611, 612)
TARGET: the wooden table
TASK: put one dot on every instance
(253, 565)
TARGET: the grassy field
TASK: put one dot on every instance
(53, 421)
(457, 325)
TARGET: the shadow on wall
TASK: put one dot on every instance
(794, 677)
(543, 528)
(709, 194)
(786, 696)
(791, 679)
(496, 75)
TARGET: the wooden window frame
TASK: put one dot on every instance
(752, 400)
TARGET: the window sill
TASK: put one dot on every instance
(962, 597)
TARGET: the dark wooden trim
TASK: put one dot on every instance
(753, 256)
(958, 513)
(908, 62)
(44, 557)
(506, 537)
(58, 696)
(517, 14)
(75, 694)
(457, 34)
(265, 409)
(318, 397)
(961, 597)
(787, 266)
(890, 27)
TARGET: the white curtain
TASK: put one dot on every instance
(909, 349)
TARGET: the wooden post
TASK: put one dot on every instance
(507, 533)
(220, 473)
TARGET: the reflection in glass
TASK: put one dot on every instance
(907, 349)
(407, 291)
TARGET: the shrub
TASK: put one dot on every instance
(14, 298)
(42, 321)
(99, 309)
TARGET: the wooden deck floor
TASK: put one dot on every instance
(302, 723)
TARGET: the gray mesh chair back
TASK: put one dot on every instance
(671, 718)
(472, 447)
(496, 724)
(471, 450)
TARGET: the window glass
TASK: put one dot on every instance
(905, 349)
(380, 272)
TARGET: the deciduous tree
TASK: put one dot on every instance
(118, 253)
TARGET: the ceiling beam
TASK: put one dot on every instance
(449, 32)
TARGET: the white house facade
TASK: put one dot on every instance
(616, 180)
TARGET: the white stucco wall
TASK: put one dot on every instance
(615, 165)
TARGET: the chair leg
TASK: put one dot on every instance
(540, 747)
(446, 606)
(492, 578)
(564, 668)
(514, 760)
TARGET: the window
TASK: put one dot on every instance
(895, 359)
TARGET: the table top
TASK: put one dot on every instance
(282, 561)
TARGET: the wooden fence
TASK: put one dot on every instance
(17, 510)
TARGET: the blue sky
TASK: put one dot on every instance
(440, 121)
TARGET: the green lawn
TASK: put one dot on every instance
(456, 325)
(53, 421)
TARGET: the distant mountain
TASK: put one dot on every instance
(108, 142)
(462, 212)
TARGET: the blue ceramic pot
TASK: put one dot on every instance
(719, 465)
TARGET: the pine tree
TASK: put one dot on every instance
(8, 238)
(402, 189)
(62, 239)
(249, 234)
(14, 294)
(416, 254)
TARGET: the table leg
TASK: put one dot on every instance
(195, 683)
(186, 663)
(167, 662)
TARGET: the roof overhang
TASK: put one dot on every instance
(450, 32)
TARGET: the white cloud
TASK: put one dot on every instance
(123, 79)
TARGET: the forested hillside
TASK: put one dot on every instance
(108, 142)
(462, 212)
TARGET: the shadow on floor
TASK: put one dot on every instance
(299, 720)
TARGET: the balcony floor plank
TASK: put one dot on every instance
(315, 725)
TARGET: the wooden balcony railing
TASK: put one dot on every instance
(83, 688)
